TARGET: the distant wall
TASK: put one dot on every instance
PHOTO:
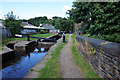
(5, 32)
(103, 56)
(25, 31)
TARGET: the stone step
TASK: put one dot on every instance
(24, 46)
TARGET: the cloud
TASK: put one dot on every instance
(2, 17)
(66, 8)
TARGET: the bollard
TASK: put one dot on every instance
(28, 37)
(63, 38)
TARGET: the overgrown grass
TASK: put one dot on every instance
(52, 67)
(4, 42)
(43, 35)
(12, 39)
(95, 36)
(82, 63)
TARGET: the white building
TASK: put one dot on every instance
(28, 28)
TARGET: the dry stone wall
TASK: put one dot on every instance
(103, 56)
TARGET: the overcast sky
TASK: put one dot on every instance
(35, 8)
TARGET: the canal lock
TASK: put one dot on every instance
(25, 57)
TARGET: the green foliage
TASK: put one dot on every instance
(58, 23)
(4, 42)
(14, 26)
(11, 16)
(12, 23)
(38, 20)
(99, 18)
(52, 70)
(43, 35)
(64, 24)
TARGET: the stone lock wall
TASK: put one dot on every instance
(103, 56)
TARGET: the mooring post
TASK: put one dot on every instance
(63, 38)
(28, 37)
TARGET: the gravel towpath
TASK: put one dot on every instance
(69, 69)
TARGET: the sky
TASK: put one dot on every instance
(31, 9)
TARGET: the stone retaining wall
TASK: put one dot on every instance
(103, 56)
(7, 53)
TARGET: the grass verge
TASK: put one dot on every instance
(52, 67)
(82, 63)
(43, 35)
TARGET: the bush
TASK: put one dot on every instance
(14, 26)
(99, 19)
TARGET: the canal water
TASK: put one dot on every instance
(18, 67)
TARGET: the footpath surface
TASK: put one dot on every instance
(69, 69)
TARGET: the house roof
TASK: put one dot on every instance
(24, 23)
(48, 26)
(31, 27)
(44, 26)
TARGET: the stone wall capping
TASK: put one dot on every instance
(108, 47)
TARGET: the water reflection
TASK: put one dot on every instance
(36, 50)
(42, 49)
(19, 66)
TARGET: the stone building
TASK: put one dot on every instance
(50, 28)
(28, 28)
(4, 32)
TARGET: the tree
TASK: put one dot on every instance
(53, 20)
(59, 23)
(11, 16)
(99, 19)
(64, 24)
(38, 20)
(55, 17)
(13, 24)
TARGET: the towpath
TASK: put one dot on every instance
(69, 69)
